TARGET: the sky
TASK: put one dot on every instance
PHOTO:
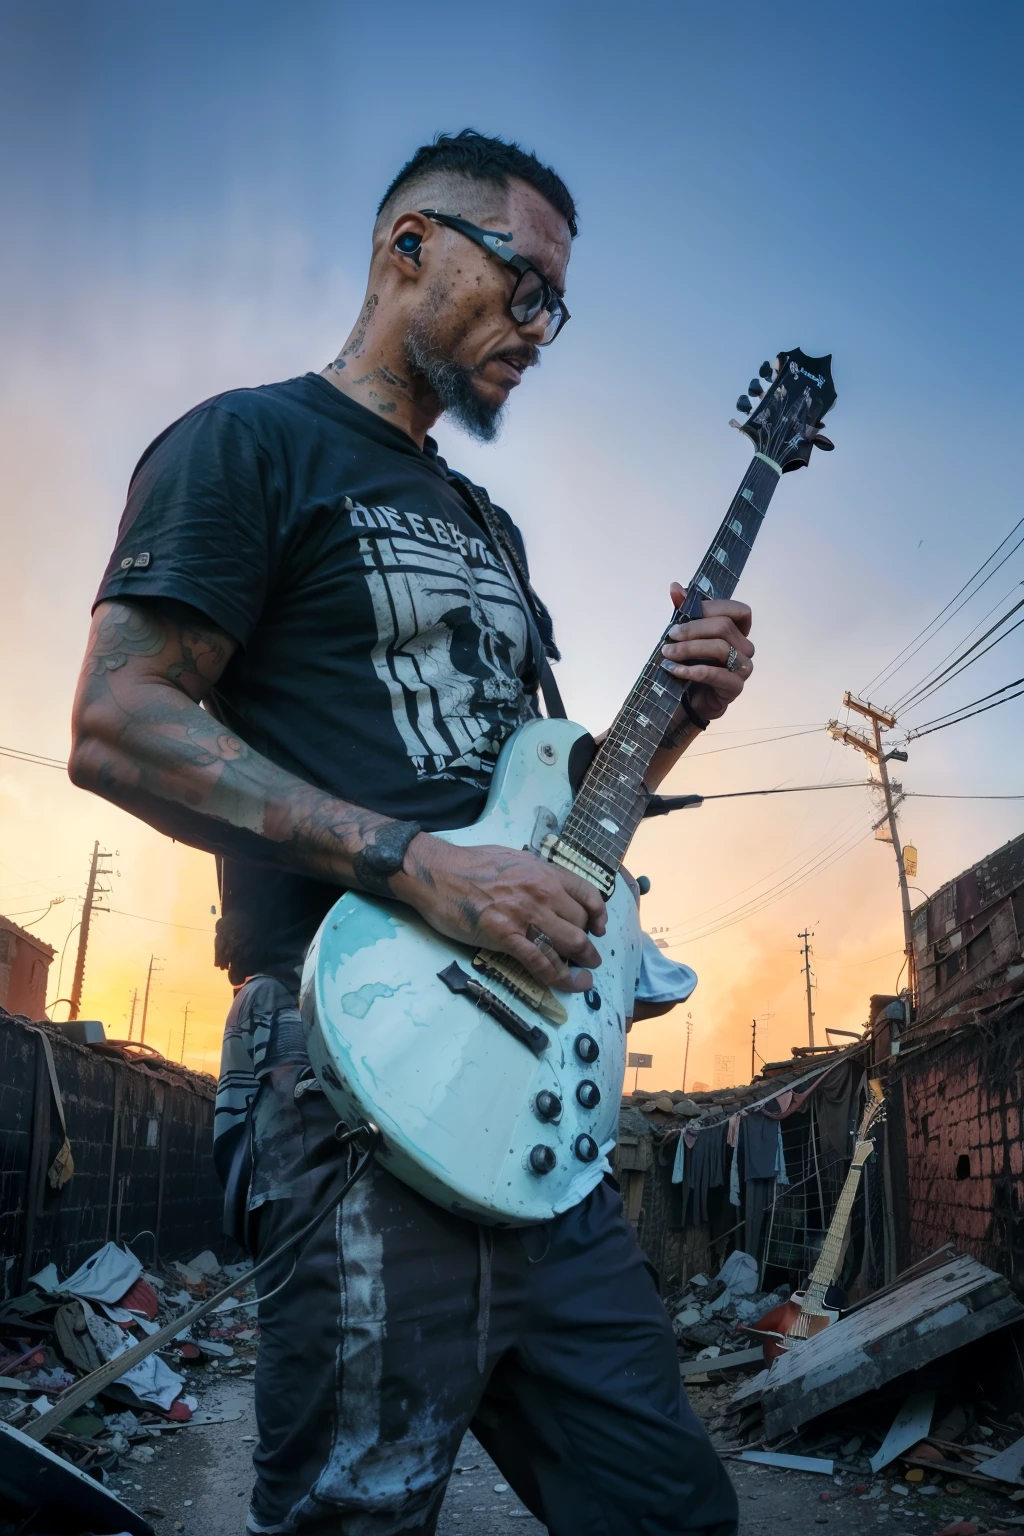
(188, 194)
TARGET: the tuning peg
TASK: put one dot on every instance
(765, 371)
(824, 443)
(744, 405)
(755, 388)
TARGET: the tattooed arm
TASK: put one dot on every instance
(141, 740)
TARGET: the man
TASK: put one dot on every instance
(357, 624)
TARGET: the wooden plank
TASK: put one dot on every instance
(910, 1425)
(789, 1463)
(929, 1316)
(904, 1351)
(723, 1362)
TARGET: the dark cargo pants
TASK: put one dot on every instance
(404, 1326)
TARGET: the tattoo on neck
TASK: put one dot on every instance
(359, 336)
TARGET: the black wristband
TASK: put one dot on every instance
(692, 715)
(374, 865)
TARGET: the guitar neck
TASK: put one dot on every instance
(613, 796)
(827, 1267)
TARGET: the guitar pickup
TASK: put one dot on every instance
(457, 981)
(521, 984)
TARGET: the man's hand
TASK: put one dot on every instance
(506, 900)
(699, 653)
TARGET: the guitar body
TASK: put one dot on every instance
(776, 1328)
(453, 1092)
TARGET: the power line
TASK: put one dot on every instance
(740, 746)
(961, 662)
(892, 668)
(164, 923)
(929, 730)
(38, 759)
(962, 641)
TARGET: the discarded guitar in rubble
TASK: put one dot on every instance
(492, 1093)
(805, 1313)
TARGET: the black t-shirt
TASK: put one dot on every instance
(385, 653)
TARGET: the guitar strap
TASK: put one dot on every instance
(513, 562)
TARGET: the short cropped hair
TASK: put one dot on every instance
(472, 156)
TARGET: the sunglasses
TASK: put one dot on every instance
(533, 294)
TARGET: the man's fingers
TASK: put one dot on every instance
(544, 966)
(704, 631)
(589, 898)
(570, 942)
(714, 607)
(692, 651)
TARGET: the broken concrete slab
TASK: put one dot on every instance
(720, 1362)
(908, 1326)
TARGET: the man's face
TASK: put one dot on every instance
(462, 339)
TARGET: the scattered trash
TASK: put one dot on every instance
(63, 1330)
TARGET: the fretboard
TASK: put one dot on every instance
(827, 1267)
(613, 796)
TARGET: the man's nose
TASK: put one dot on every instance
(534, 330)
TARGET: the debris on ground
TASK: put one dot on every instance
(909, 1402)
(61, 1330)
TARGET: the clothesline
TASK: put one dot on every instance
(815, 1073)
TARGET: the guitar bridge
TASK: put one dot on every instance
(456, 980)
(519, 982)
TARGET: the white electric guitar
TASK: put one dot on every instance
(494, 1094)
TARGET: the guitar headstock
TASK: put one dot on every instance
(789, 401)
(874, 1115)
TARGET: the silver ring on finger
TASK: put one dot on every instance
(732, 660)
(541, 939)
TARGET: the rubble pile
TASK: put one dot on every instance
(707, 1315)
(906, 1403)
(61, 1330)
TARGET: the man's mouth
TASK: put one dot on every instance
(511, 366)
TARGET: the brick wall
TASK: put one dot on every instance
(959, 1174)
(141, 1140)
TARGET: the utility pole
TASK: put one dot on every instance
(131, 1021)
(92, 890)
(153, 970)
(872, 749)
(686, 1057)
(807, 936)
(184, 1031)
(753, 1047)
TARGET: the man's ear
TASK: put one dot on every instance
(405, 242)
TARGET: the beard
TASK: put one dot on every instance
(429, 358)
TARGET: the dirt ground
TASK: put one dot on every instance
(198, 1481)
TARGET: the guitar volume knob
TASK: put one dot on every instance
(588, 1094)
(586, 1148)
(547, 1106)
(587, 1048)
(542, 1159)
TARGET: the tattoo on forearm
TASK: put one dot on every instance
(374, 866)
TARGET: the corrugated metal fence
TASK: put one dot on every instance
(141, 1138)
